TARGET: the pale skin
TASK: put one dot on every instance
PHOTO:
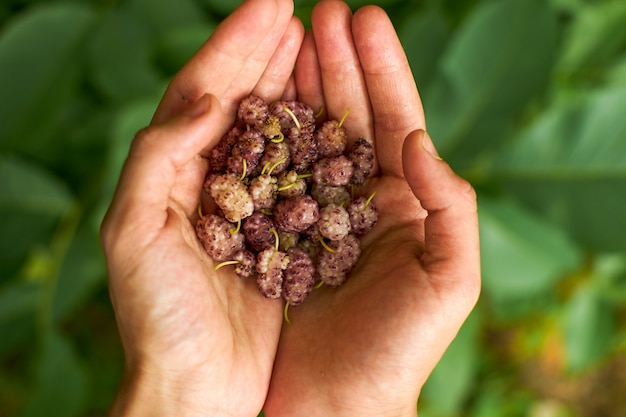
(200, 342)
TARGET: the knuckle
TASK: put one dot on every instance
(468, 194)
(143, 138)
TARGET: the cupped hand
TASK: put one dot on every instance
(367, 347)
(196, 342)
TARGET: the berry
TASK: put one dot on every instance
(257, 229)
(253, 111)
(334, 266)
(363, 215)
(292, 114)
(334, 171)
(215, 234)
(276, 157)
(362, 157)
(218, 158)
(298, 277)
(334, 222)
(246, 263)
(271, 128)
(262, 190)
(331, 138)
(291, 185)
(270, 265)
(296, 214)
(326, 194)
(231, 196)
(303, 147)
(248, 148)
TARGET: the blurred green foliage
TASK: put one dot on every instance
(525, 98)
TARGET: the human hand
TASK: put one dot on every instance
(367, 347)
(196, 342)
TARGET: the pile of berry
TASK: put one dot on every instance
(285, 190)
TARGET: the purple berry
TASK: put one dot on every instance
(335, 171)
(296, 214)
(333, 267)
(298, 277)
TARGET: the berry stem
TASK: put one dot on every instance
(293, 116)
(280, 138)
(218, 266)
(200, 210)
(320, 112)
(275, 233)
(369, 200)
(345, 115)
(318, 286)
(275, 165)
(285, 312)
(303, 176)
(236, 230)
(245, 169)
(265, 167)
(286, 187)
(325, 245)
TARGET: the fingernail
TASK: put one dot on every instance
(200, 107)
(427, 145)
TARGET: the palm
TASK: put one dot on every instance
(178, 315)
(216, 326)
(371, 334)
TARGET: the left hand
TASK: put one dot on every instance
(197, 342)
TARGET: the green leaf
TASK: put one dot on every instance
(161, 17)
(588, 324)
(26, 187)
(39, 70)
(617, 73)
(570, 167)
(597, 34)
(522, 256)
(451, 382)
(61, 381)
(424, 35)
(17, 300)
(31, 201)
(120, 58)
(223, 8)
(18, 305)
(83, 272)
(498, 61)
(177, 46)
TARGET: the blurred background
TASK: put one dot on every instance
(524, 98)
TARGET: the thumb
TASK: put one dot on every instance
(451, 228)
(164, 164)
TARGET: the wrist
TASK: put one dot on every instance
(153, 394)
(294, 405)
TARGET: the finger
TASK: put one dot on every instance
(232, 60)
(275, 78)
(308, 76)
(159, 155)
(451, 227)
(342, 77)
(396, 105)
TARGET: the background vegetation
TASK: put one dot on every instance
(525, 98)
